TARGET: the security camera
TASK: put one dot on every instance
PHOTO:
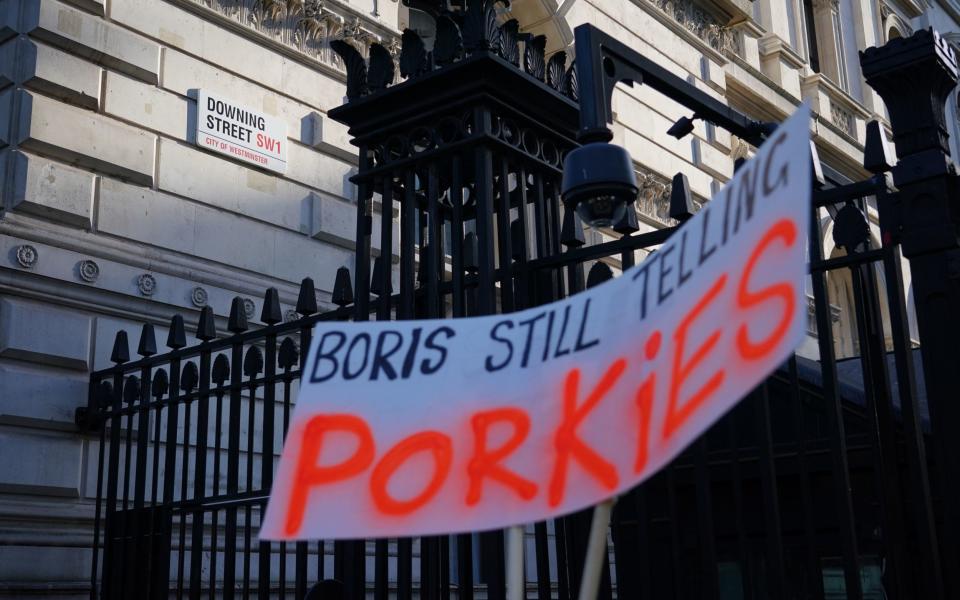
(599, 183)
(681, 128)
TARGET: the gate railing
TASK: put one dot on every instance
(184, 435)
(182, 440)
(816, 485)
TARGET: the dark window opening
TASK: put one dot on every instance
(813, 54)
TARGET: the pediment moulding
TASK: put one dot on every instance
(907, 9)
(893, 19)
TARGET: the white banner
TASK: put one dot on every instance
(444, 426)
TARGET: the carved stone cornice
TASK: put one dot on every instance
(653, 199)
(305, 27)
(701, 23)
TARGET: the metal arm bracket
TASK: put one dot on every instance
(603, 61)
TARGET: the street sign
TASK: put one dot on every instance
(442, 426)
(227, 127)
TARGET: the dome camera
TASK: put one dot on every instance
(599, 183)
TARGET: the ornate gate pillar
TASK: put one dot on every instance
(470, 148)
(914, 76)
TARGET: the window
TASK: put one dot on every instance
(813, 55)
(841, 78)
(823, 34)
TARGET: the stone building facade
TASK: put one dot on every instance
(112, 215)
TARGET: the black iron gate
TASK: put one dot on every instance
(818, 485)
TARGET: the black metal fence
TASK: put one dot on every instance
(817, 485)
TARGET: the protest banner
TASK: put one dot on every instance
(410, 428)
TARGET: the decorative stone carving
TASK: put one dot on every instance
(654, 198)
(249, 308)
(88, 270)
(811, 317)
(313, 21)
(290, 315)
(147, 284)
(198, 296)
(274, 9)
(842, 118)
(307, 26)
(27, 256)
(701, 24)
(739, 148)
(835, 312)
(653, 201)
(393, 46)
(885, 10)
(901, 24)
(353, 30)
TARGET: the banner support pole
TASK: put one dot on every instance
(596, 550)
(515, 579)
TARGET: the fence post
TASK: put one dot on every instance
(914, 76)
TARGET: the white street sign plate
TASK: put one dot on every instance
(251, 136)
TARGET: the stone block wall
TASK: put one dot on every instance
(110, 215)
